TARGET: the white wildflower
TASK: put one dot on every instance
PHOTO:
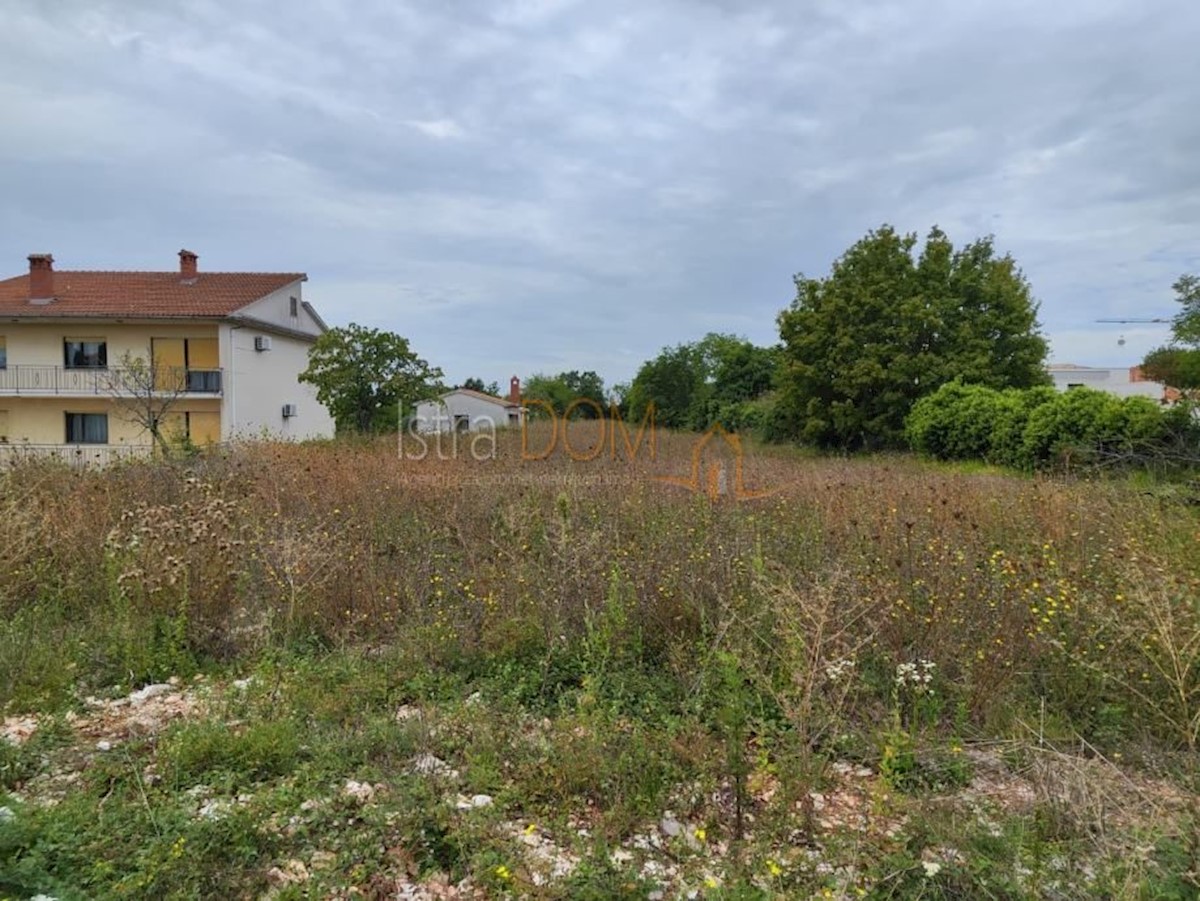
(837, 670)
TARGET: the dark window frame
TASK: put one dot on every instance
(80, 434)
(79, 359)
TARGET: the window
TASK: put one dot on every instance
(294, 304)
(85, 354)
(87, 428)
(189, 364)
(3, 353)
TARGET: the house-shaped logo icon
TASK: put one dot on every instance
(714, 454)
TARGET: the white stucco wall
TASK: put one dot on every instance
(275, 309)
(440, 415)
(259, 383)
(1114, 381)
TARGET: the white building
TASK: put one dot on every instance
(227, 347)
(1123, 381)
(465, 410)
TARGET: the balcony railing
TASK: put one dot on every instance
(77, 455)
(44, 380)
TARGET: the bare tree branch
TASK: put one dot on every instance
(144, 393)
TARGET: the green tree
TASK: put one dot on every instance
(1178, 364)
(365, 376)
(562, 390)
(670, 383)
(695, 385)
(474, 384)
(888, 326)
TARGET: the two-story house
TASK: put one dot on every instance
(225, 348)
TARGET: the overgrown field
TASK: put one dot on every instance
(385, 678)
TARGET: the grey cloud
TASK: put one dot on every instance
(540, 184)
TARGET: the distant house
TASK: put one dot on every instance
(465, 410)
(228, 347)
(1123, 381)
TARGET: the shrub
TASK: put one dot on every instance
(1039, 427)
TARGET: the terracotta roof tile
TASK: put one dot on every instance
(151, 295)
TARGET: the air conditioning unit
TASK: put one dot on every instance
(289, 410)
(262, 342)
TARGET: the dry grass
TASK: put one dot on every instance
(641, 647)
(1014, 587)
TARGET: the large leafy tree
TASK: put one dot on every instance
(562, 390)
(694, 385)
(889, 325)
(1178, 364)
(365, 376)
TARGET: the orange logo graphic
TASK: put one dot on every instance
(711, 475)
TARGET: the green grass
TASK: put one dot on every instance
(592, 655)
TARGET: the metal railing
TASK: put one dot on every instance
(48, 380)
(77, 455)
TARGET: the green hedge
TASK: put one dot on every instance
(1039, 427)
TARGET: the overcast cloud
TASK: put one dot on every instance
(557, 184)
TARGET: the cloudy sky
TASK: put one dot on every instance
(528, 185)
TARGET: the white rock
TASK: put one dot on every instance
(242, 684)
(291, 873)
(6, 815)
(475, 699)
(428, 765)
(104, 745)
(214, 810)
(474, 802)
(323, 860)
(671, 827)
(359, 791)
(16, 730)
(150, 691)
(407, 712)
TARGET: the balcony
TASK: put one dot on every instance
(40, 381)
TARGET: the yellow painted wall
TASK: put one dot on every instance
(42, 420)
(42, 344)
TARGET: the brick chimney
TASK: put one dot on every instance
(514, 390)
(41, 277)
(187, 264)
